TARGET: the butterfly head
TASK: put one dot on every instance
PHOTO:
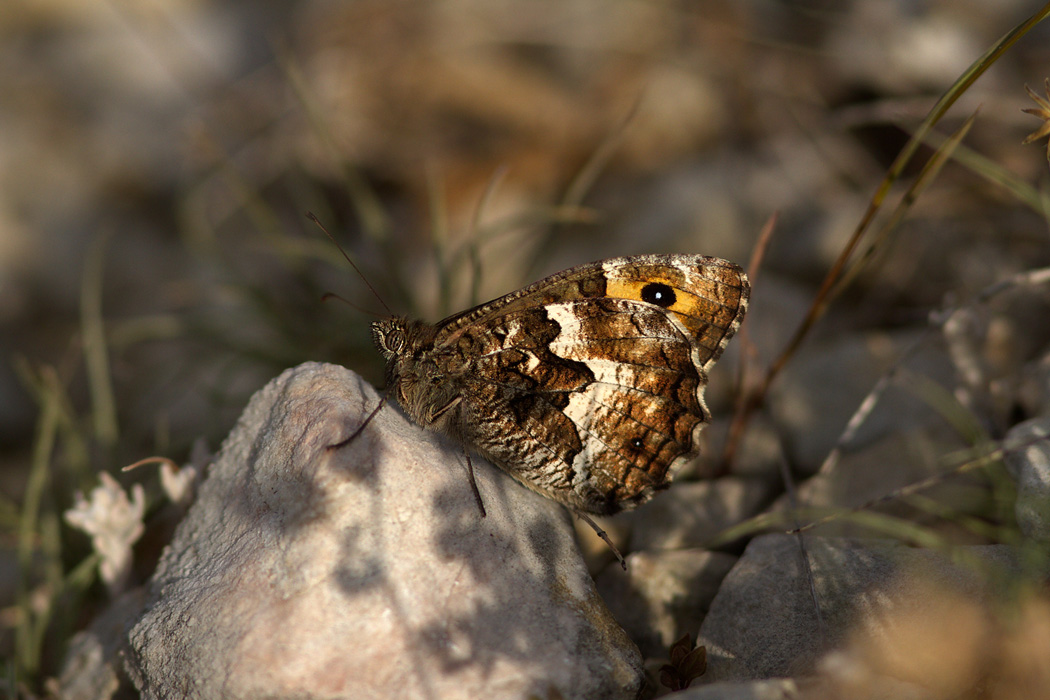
(405, 345)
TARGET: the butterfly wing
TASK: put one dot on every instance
(588, 386)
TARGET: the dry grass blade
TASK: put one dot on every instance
(473, 254)
(740, 410)
(929, 173)
(246, 198)
(934, 395)
(533, 217)
(570, 209)
(994, 173)
(961, 85)
(369, 209)
(439, 237)
(789, 484)
(945, 403)
(863, 511)
(588, 174)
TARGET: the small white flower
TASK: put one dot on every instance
(1043, 112)
(114, 523)
(178, 484)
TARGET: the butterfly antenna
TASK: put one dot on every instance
(312, 217)
(332, 295)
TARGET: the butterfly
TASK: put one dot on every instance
(587, 386)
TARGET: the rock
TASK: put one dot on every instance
(877, 46)
(853, 364)
(365, 571)
(764, 621)
(87, 674)
(880, 468)
(1028, 461)
(773, 689)
(846, 675)
(91, 669)
(930, 641)
(663, 595)
(1033, 390)
(690, 514)
(760, 453)
(809, 688)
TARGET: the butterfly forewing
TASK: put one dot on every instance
(588, 385)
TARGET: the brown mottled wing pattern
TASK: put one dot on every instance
(588, 386)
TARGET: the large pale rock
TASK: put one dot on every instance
(775, 616)
(366, 571)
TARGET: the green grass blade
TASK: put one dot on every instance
(27, 648)
(96, 356)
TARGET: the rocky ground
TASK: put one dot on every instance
(157, 270)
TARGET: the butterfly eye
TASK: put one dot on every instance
(637, 443)
(389, 337)
(658, 293)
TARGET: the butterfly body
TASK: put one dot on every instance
(587, 386)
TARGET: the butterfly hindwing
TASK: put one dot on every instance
(588, 385)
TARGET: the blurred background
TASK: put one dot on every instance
(158, 157)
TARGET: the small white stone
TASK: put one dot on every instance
(1028, 461)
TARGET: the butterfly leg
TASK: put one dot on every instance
(474, 484)
(360, 428)
(605, 538)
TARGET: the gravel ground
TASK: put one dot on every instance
(157, 266)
